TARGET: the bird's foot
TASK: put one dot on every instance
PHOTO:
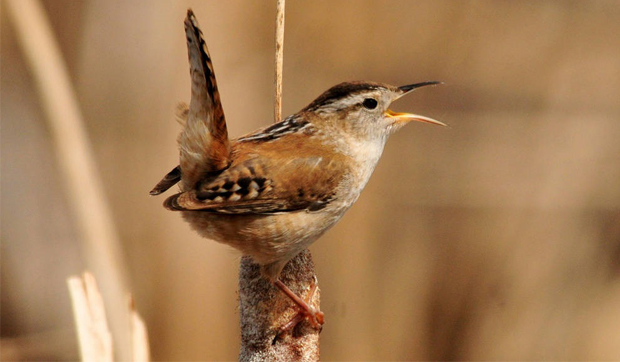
(307, 311)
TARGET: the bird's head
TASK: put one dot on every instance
(362, 108)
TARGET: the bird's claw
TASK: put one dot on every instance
(315, 317)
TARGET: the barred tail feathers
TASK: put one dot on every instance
(203, 143)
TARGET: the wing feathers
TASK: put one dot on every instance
(308, 184)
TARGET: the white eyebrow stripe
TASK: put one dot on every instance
(346, 102)
(353, 99)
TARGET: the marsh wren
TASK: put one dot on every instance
(273, 192)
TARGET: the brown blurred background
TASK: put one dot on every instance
(495, 239)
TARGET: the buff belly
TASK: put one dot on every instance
(270, 238)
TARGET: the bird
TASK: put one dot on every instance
(273, 192)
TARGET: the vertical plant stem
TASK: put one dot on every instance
(90, 319)
(264, 309)
(83, 188)
(279, 59)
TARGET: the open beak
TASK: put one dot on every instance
(408, 117)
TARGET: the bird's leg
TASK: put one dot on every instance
(314, 316)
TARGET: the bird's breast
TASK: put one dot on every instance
(364, 156)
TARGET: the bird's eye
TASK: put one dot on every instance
(370, 103)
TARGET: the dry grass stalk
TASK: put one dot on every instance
(279, 58)
(92, 327)
(94, 336)
(83, 187)
(139, 337)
